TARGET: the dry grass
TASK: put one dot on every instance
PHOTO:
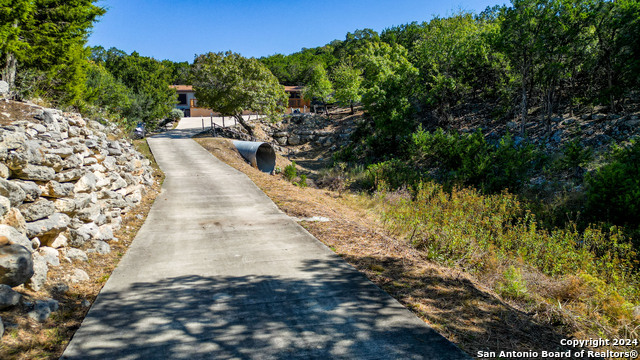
(26, 339)
(452, 302)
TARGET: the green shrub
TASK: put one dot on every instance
(575, 155)
(290, 171)
(470, 160)
(613, 191)
(393, 173)
(176, 114)
(512, 285)
(303, 181)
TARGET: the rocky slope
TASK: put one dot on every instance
(65, 183)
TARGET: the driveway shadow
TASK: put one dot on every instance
(328, 315)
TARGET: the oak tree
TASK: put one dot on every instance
(229, 83)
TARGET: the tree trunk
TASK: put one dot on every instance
(244, 124)
(523, 121)
(351, 104)
(9, 70)
(326, 110)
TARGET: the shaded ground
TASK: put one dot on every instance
(453, 303)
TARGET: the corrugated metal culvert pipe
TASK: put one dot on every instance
(258, 154)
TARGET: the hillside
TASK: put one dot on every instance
(480, 258)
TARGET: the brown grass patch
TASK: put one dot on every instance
(26, 339)
(452, 302)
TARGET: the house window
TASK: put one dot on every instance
(294, 95)
(182, 99)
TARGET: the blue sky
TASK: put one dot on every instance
(179, 29)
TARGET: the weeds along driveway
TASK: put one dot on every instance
(218, 271)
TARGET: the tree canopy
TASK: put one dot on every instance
(319, 86)
(44, 40)
(229, 83)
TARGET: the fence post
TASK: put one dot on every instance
(223, 121)
(202, 124)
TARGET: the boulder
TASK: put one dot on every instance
(89, 213)
(84, 233)
(105, 233)
(59, 242)
(117, 182)
(78, 275)
(16, 266)
(4, 90)
(50, 255)
(31, 190)
(14, 219)
(66, 206)
(42, 309)
(110, 163)
(72, 162)
(14, 237)
(12, 191)
(68, 175)
(8, 297)
(55, 189)
(294, 140)
(4, 171)
(63, 151)
(49, 227)
(5, 205)
(12, 140)
(37, 210)
(34, 173)
(86, 183)
(53, 161)
(40, 270)
(84, 200)
(76, 254)
(100, 247)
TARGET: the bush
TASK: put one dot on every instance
(176, 114)
(303, 181)
(290, 171)
(575, 155)
(613, 191)
(513, 285)
(393, 173)
(470, 160)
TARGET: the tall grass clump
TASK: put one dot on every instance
(486, 234)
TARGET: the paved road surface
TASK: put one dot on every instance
(219, 272)
(197, 122)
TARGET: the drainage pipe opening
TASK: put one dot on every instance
(258, 154)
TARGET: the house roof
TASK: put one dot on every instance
(182, 87)
(293, 88)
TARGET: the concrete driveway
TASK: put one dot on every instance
(200, 122)
(219, 272)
